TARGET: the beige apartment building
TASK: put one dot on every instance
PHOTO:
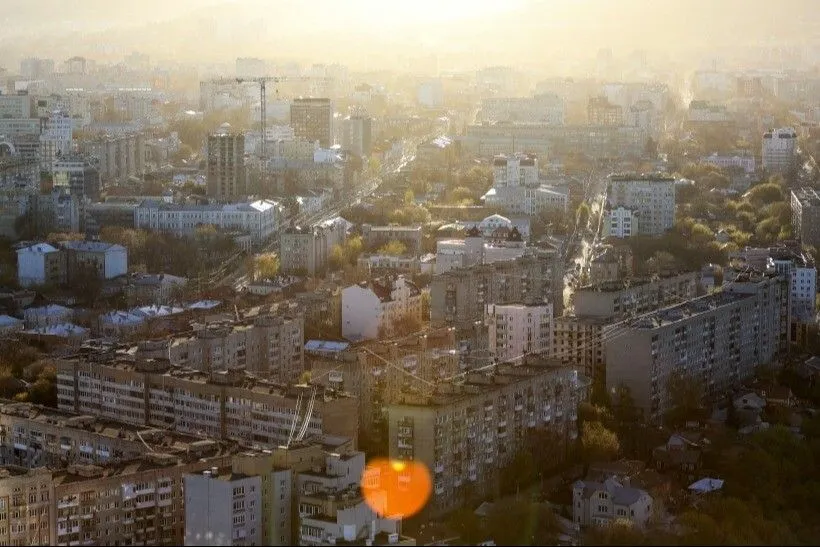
(464, 433)
(227, 404)
(27, 508)
(133, 502)
(369, 371)
(459, 297)
(265, 342)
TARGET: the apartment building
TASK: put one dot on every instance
(459, 297)
(376, 308)
(375, 236)
(650, 197)
(376, 264)
(604, 113)
(260, 219)
(223, 508)
(524, 200)
(801, 275)
(357, 135)
(145, 288)
(742, 160)
(772, 292)
(779, 150)
(718, 339)
(55, 138)
(312, 119)
(602, 503)
(77, 175)
(516, 170)
(436, 154)
(27, 509)
(265, 341)
(620, 222)
(634, 296)
(303, 250)
(365, 371)
(515, 330)
(37, 436)
(118, 157)
(136, 502)
(229, 405)
(322, 311)
(488, 140)
(806, 215)
(225, 169)
(40, 264)
(543, 108)
(580, 341)
(609, 263)
(464, 433)
(16, 106)
(106, 260)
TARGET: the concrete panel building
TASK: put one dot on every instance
(515, 330)
(312, 120)
(465, 433)
(650, 197)
(223, 508)
(806, 215)
(225, 168)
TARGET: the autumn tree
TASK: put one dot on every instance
(685, 395)
(598, 443)
(393, 248)
(522, 522)
(266, 266)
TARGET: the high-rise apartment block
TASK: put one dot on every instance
(515, 330)
(312, 120)
(779, 150)
(77, 175)
(459, 297)
(464, 433)
(718, 340)
(55, 138)
(226, 178)
(650, 198)
(357, 135)
(223, 508)
(806, 215)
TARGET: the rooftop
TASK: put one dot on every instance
(689, 309)
(92, 246)
(642, 177)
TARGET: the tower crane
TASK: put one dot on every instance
(262, 81)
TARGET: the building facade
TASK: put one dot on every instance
(260, 219)
(465, 433)
(602, 503)
(806, 215)
(225, 169)
(779, 150)
(378, 308)
(312, 119)
(515, 330)
(650, 197)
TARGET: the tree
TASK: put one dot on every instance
(393, 248)
(519, 473)
(521, 522)
(598, 443)
(582, 215)
(763, 194)
(266, 266)
(685, 395)
(461, 194)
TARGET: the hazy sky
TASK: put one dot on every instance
(371, 32)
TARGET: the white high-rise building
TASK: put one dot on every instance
(431, 94)
(517, 329)
(650, 197)
(518, 170)
(779, 146)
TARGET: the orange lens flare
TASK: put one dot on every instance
(396, 489)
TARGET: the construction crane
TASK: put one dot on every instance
(262, 81)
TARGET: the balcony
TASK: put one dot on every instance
(439, 489)
(146, 504)
(519, 407)
(439, 468)
(404, 444)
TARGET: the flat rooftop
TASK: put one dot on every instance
(687, 310)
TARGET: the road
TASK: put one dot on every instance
(233, 272)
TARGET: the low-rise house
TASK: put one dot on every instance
(40, 264)
(375, 309)
(153, 288)
(678, 454)
(44, 316)
(107, 260)
(9, 325)
(600, 503)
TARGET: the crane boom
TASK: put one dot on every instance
(262, 81)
